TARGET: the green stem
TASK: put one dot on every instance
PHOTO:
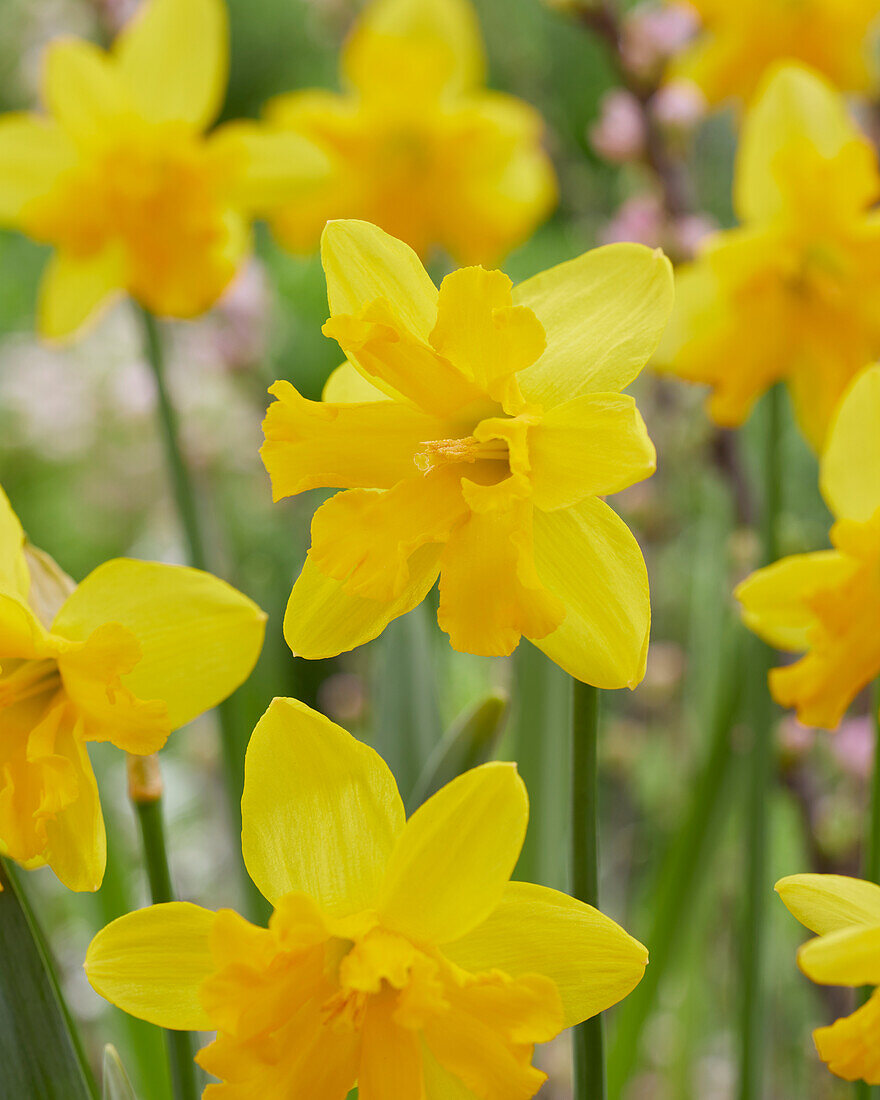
(863, 1090)
(185, 496)
(182, 483)
(588, 1041)
(152, 828)
(678, 874)
(760, 775)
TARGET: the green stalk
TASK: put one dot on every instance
(863, 1090)
(760, 786)
(677, 878)
(145, 791)
(588, 1041)
(186, 499)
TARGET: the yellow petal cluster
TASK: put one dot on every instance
(135, 651)
(828, 603)
(845, 914)
(417, 144)
(474, 430)
(739, 41)
(399, 956)
(119, 178)
(792, 294)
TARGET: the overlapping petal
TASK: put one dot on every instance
(534, 930)
(850, 466)
(274, 166)
(829, 903)
(849, 956)
(76, 289)
(152, 962)
(14, 577)
(198, 637)
(173, 58)
(82, 90)
(603, 314)
(849, 1046)
(451, 863)
(34, 152)
(76, 839)
(322, 619)
(588, 558)
(320, 812)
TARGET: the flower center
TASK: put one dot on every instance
(444, 452)
(27, 680)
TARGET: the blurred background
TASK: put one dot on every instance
(81, 460)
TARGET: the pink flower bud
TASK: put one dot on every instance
(639, 219)
(652, 34)
(619, 133)
(679, 105)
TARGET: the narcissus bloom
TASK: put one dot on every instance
(134, 652)
(828, 603)
(792, 295)
(418, 144)
(740, 41)
(475, 430)
(399, 956)
(845, 914)
(119, 178)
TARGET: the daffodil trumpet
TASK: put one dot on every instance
(399, 957)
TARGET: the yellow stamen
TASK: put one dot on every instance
(442, 452)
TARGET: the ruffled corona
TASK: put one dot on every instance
(791, 295)
(399, 956)
(828, 603)
(417, 143)
(475, 429)
(135, 651)
(119, 178)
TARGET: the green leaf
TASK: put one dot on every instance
(40, 1053)
(116, 1083)
(470, 740)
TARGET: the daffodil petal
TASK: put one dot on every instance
(592, 961)
(594, 445)
(391, 1057)
(849, 956)
(323, 620)
(81, 88)
(588, 558)
(320, 811)
(346, 385)
(151, 963)
(277, 166)
(798, 121)
(77, 840)
(173, 57)
(850, 466)
(455, 856)
(75, 290)
(849, 1046)
(199, 637)
(34, 151)
(363, 263)
(603, 314)
(448, 28)
(352, 445)
(775, 599)
(828, 903)
(14, 577)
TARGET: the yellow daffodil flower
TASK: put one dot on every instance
(135, 651)
(739, 41)
(792, 295)
(399, 955)
(418, 144)
(475, 430)
(845, 915)
(828, 603)
(118, 177)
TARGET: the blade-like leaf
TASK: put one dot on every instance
(116, 1083)
(40, 1053)
(469, 741)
